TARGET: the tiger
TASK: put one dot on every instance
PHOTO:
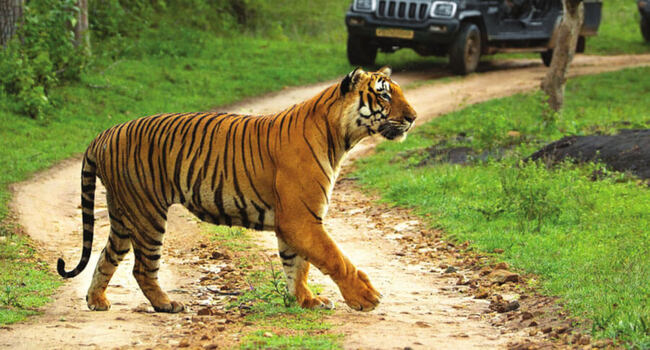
(272, 172)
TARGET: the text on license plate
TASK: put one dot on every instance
(394, 33)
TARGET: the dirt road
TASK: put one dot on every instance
(421, 308)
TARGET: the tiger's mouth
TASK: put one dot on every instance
(394, 130)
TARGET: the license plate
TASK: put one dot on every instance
(394, 33)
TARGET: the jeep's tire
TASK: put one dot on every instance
(547, 57)
(465, 51)
(361, 52)
(645, 28)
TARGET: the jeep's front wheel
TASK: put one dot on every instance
(361, 52)
(645, 27)
(547, 57)
(465, 51)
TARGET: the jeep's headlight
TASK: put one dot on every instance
(443, 9)
(364, 5)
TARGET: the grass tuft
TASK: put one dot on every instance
(587, 240)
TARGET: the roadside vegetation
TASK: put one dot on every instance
(276, 320)
(619, 30)
(580, 227)
(150, 57)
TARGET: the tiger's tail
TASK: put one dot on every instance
(88, 173)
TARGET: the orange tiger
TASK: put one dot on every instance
(273, 172)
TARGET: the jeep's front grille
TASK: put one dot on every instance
(409, 10)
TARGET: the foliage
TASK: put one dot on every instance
(273, 307)
(268, 303)
(619, 30)
(587, 239)
(261, 340)
(25, 282)
(40, 55)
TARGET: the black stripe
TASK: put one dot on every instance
(120, 235)
(286, 256)
(318, 218)
(113, 247)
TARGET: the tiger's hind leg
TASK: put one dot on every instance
(296, 270)
(116, 248)
(147, 248)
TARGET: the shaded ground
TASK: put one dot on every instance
(628, 151)
(431, 288)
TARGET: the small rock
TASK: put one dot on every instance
(481, 294)
(547, 330)
(211, 346)
(504, 306)
(526, 315)
(204, 312)
(562, 329)
(533, 324)
(267, 335)
(503, 276)
(450, 269)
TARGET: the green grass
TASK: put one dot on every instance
(619, 30)
(172, 67)
(274, 311)
(587, 240)
(258, 340)
(25, 284)
(271, 309)
(182, 62)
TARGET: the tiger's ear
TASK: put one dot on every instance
(351, 80)
(386, 70)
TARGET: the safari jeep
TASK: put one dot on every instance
(462, 29)
(644, 9)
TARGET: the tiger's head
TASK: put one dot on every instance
(375, 104)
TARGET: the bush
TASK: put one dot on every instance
(41, 55)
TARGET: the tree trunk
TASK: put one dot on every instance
(81, 32)
(11, 13)
(567, 38)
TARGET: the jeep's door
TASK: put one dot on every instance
(518, 20)
(490, 11)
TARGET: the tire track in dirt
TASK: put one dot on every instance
(418, 309)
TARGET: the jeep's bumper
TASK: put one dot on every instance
(432, 31)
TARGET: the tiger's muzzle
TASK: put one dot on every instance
(395, 129)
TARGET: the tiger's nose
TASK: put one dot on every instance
(409, 118)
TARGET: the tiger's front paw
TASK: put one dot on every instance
(97, 301)
(359, 293)
(172, 307)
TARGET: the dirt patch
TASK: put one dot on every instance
(424, 305)
(628, 151)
